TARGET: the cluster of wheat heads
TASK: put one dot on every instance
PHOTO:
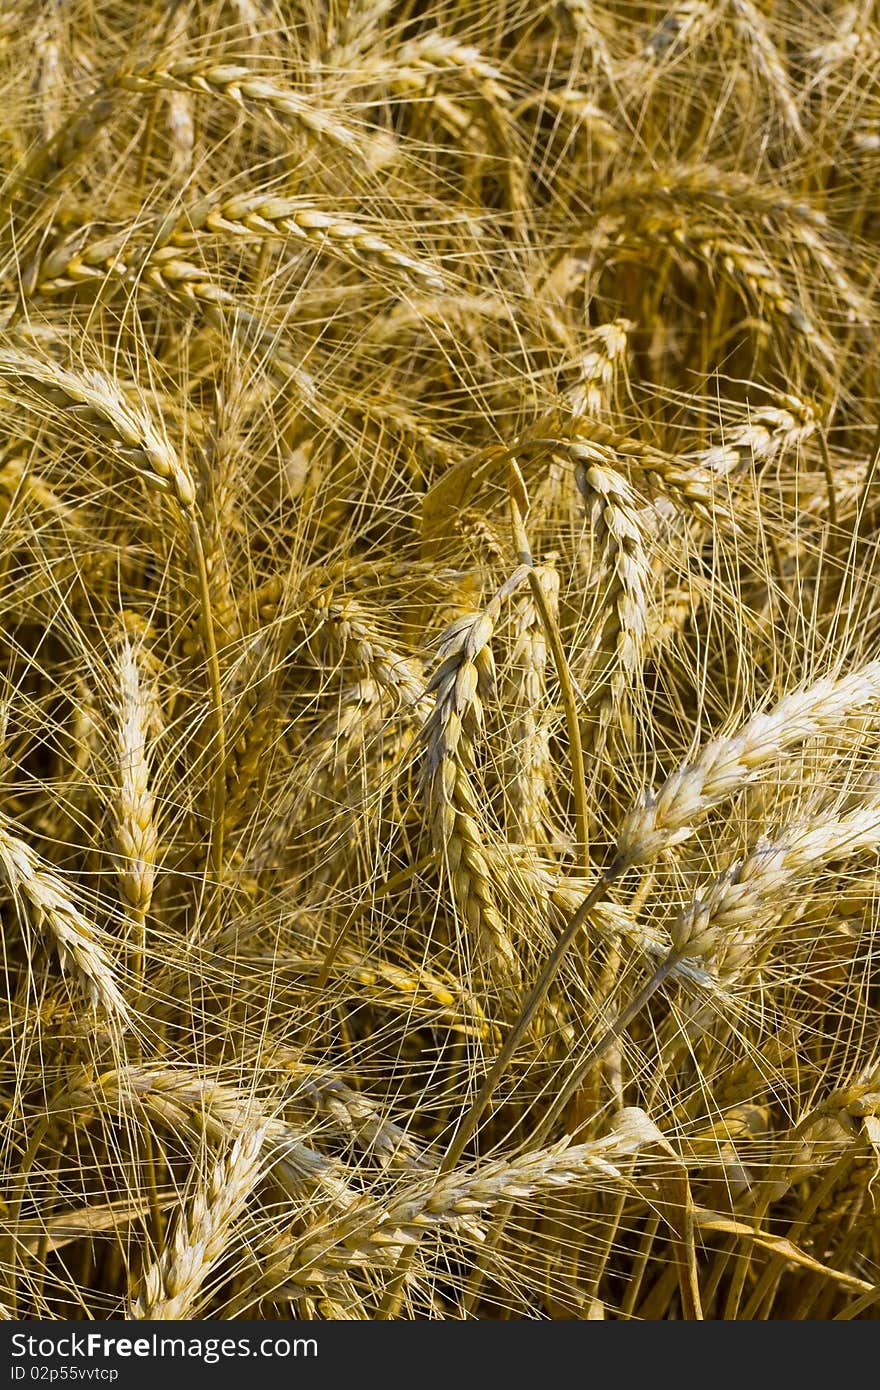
(439, 636)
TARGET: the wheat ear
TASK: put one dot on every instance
(530, 772)
(464, 677)
(616, 520)
(724, 765)
(136, 833)
(726, 915)
(186, 1099)
(372, 1235)
(769, 433)
(247, 89)
(597, 369)
(256, 216)
(172, 1284)
(752, 25)
(97, 400)
(43, 893)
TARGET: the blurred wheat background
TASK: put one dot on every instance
(439, 680)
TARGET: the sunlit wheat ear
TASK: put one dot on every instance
(253, 91)
(136, 831)
(179, 106)
(425, 66)
(261, 215)
(44, 899)
(769, 432)
(724, 765)
(96, 402)
(728, 914)
(362, 1241)
(752, 28)
(687, 482)
(460, 683)
(529, 772)
(188, 1101)
(168, 264)
(598, 369)
(352, 640)
(171, 1286)
(618, 529)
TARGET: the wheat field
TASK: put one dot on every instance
(440, 659)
